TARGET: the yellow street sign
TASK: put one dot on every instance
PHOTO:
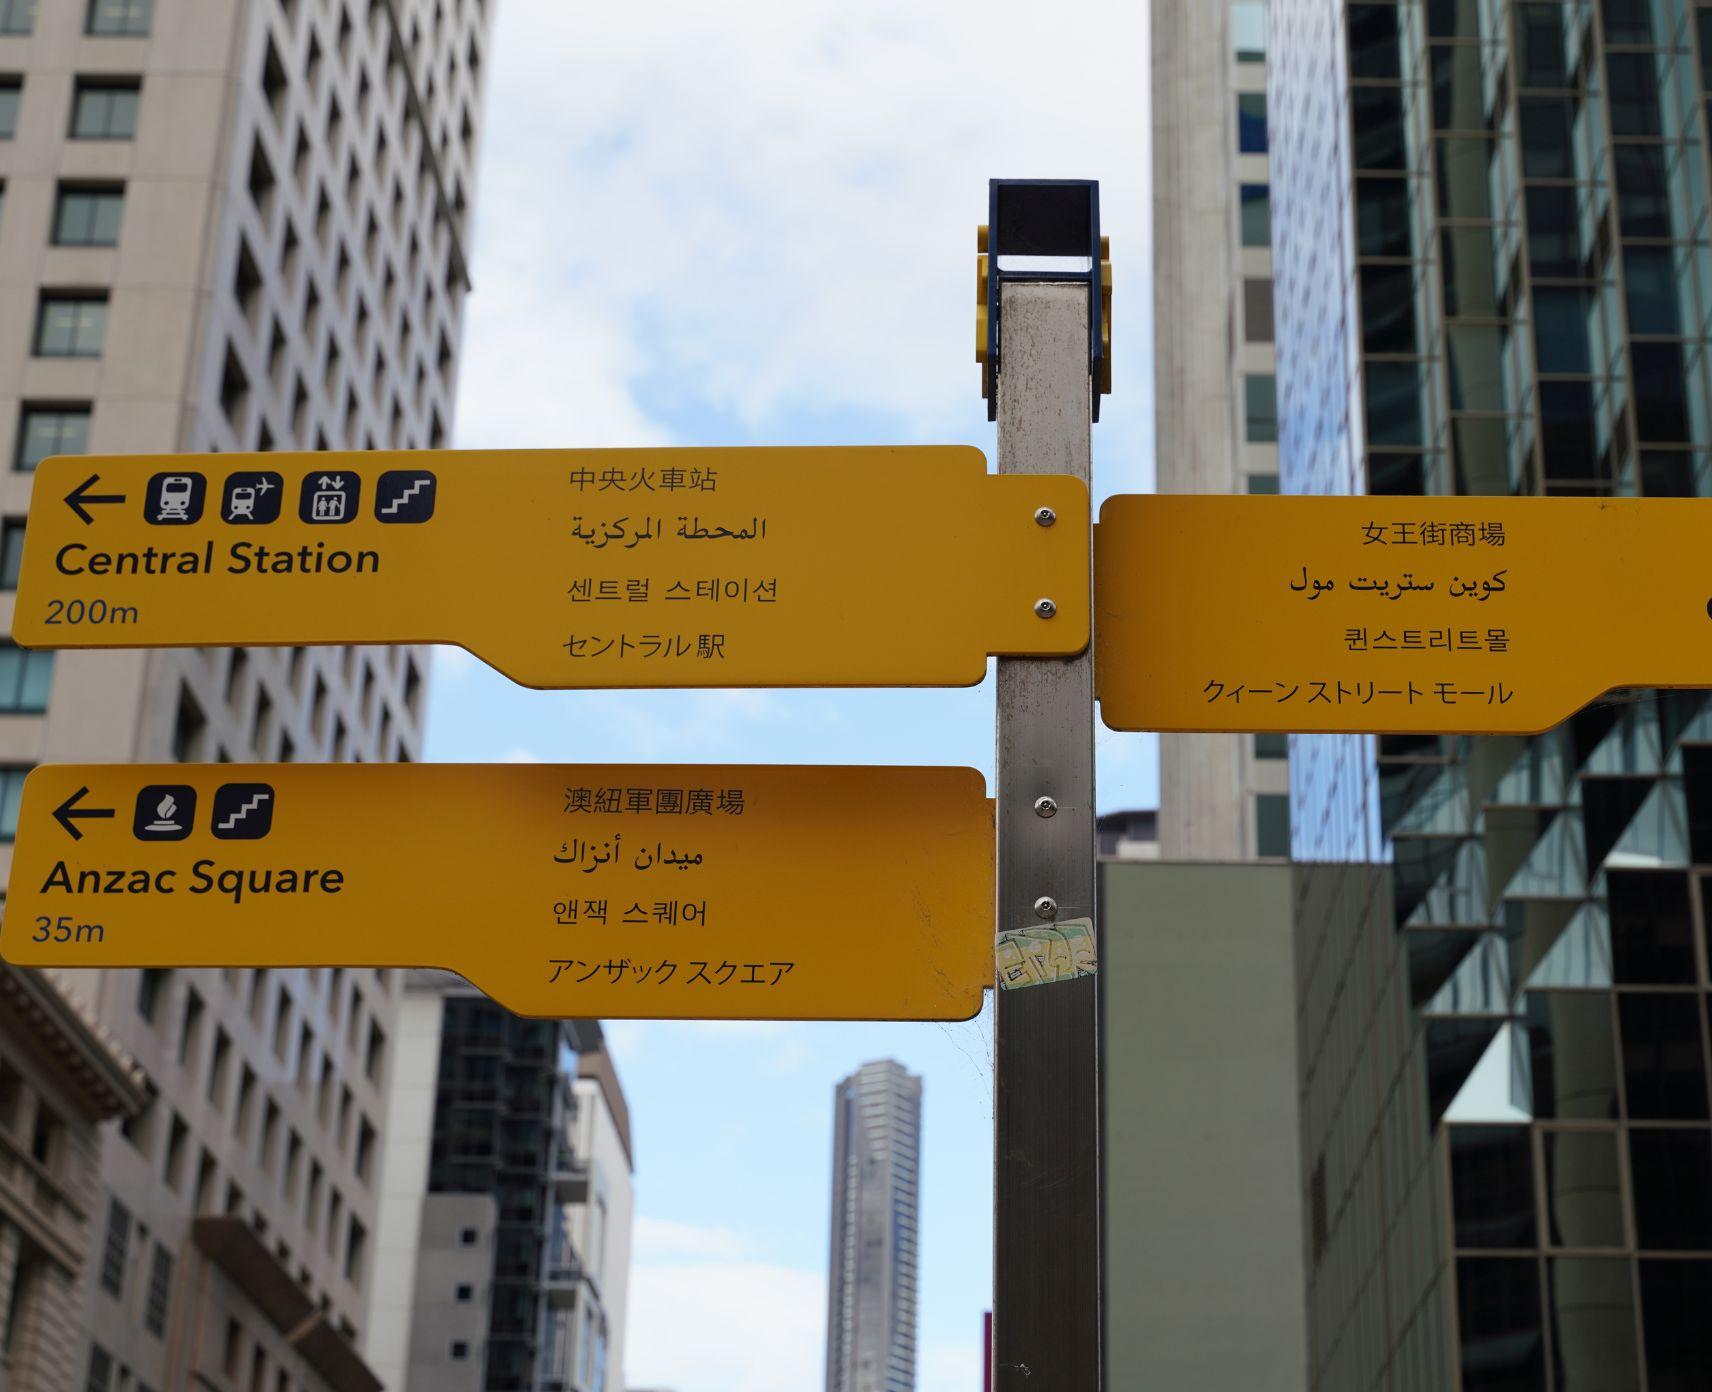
(571, 568)
(736, 892)
(1390, 614)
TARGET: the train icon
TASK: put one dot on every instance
(174, 500)
(177, 492)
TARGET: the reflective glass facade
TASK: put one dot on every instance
(1494, 276)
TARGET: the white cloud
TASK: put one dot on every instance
(657, 1239)
(725, 1326)
(763, 214)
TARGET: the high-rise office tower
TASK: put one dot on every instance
(229, 225)
(1221, 797)
(876, 1185)
(1494, 268)
(504, 1247)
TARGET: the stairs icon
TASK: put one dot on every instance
(243, 811)
(404, 489)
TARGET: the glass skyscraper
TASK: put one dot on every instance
(1493, 254)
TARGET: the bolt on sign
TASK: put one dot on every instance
(1386, 614)
(572, 568)
(661, 892)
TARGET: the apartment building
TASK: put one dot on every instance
(229, 225)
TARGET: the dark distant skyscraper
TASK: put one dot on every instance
(876, 1179)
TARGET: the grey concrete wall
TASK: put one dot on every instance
(1204, 1221)
(445, 1262)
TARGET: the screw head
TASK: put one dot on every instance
(1045, 516)
(1045, 608)
(1046, 907)
(1045, 806)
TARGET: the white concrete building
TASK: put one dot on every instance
(1222, 797)
(229, 225)
(601, 1224)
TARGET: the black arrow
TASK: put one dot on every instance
(67, 810)
(80, 495)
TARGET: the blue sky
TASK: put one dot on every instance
(755, 224)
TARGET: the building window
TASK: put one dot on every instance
(1263, 484)
(466, 1237)
(160, 1292)
(151, 982)
(11, 795)
(50, 430)
(124, 19)
(71, 326)
(1272, 824)
(1260, 393)
(88, 216)
(464, 1294)
(190, 1026)
(1256, 215)
(1257, 311)
(100, 1370)
(11, 90)
(1248, 30)
(17, 16)
(1272, 744)
(25, 678)
(105, 109)
(1251, 123)
(375, 1054)
(46, 1134)
(460, 1350)
(11, 552)
(356, 1246)
(114, 1249)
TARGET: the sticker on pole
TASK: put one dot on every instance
(687, 892)
(572, 568)
(1044, 953)
(1390, 614)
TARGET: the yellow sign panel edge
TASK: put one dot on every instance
(1063, 579)
(932, 825)
(1683, 528)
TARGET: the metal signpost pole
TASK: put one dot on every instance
(1046, 1295)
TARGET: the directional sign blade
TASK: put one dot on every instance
(735, 892)
(571, 568)
(1389, 614)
